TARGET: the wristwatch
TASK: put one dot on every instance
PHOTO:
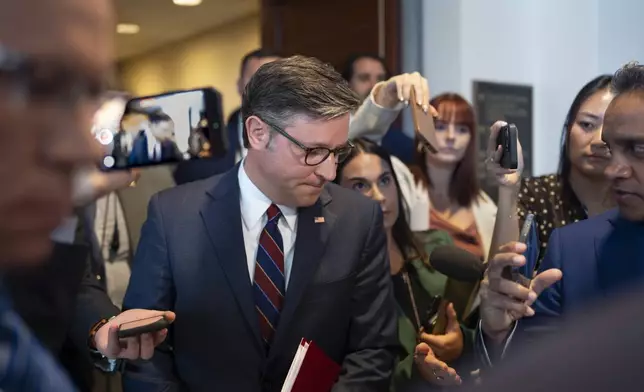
(102, 362)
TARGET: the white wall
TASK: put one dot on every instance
(554, 45)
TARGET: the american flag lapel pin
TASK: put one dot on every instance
(318, 219)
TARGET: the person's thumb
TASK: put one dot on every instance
(422, 349)
(170, 316)
(113, 347)
(545, 279)
(452, 320)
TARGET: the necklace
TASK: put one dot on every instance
(405, 277)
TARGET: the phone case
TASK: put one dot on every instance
(508, 140)
(142, 327)
(423, 124)
(441, 319)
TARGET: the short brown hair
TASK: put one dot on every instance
(464, 187)
(296, 86)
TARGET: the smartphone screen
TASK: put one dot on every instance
(167, 128)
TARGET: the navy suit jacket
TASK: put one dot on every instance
(191, 260)
(599, 257)
(139, 154)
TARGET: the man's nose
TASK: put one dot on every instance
(618, 168)
(614, 172)
(327, 169)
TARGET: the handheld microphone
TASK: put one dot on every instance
(457, 264)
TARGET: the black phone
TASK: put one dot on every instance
(511, 273)
(146, 325)
(436, 317)
(167, 128)
(508, 140)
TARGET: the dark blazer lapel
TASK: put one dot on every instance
(313, 227)
(222, 218)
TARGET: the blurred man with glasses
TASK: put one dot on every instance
(270, 252)
(54, 58)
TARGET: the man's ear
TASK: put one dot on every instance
(258, 133)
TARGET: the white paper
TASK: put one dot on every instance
(294, 370)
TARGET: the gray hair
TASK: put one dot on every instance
(296, 86)
(629, 78)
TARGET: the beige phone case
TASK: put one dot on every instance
(423, 124)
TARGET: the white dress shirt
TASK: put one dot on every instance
(253, 204)
(154, 147)
(241, 154)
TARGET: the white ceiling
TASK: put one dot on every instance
(162, 22)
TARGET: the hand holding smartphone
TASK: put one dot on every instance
(145, 325)
(508, 140)
(423, 124)
(508, 272)
(167, 128)
(436, 316)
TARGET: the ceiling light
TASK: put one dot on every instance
(127, 28)
(187, 3)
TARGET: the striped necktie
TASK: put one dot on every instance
(269, 285)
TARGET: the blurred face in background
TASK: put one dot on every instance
(46, 112)
(367, 72)
(587, 151)
(624, 134)
(249, 70)
(371, 175)
(454, 130)
(163, 130)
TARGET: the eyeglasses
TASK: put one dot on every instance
(32, 79)
(316, 155)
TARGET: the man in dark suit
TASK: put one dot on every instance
(155, 143)
(598, 256)
(199, 169)
(270, 252)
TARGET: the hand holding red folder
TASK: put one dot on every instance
(311, 370)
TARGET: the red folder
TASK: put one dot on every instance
(311, 370)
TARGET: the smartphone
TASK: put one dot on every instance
(508, 140)
(423, 124)
(436, 316)
(167, 128)
(146, 325)
(510, 272)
